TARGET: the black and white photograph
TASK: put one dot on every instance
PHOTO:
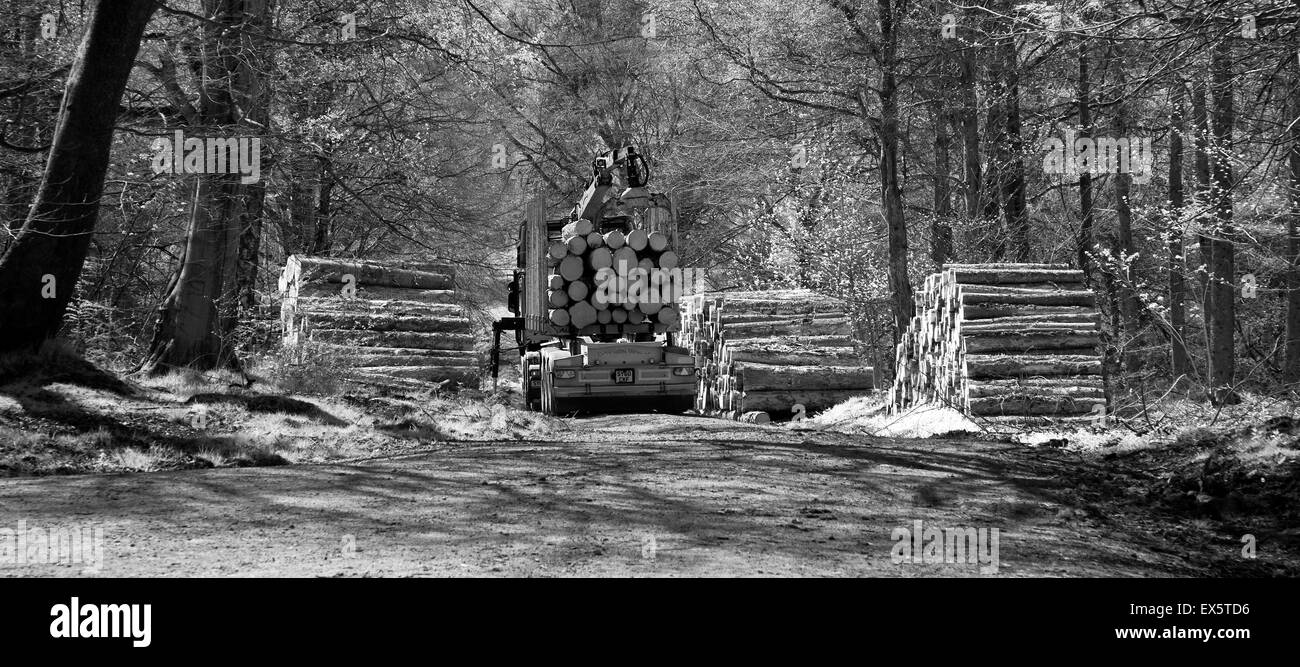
(611, 289)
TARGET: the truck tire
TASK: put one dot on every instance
(528, 365)
(552, 406)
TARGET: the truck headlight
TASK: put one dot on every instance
(566, 374)
(683, 370)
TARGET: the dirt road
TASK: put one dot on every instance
(633, 495)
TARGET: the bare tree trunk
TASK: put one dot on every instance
(1201, 165)
(1128, 299)
(322, 239)
(899, 282)
(199, 314)
(253, 70)
(1085, 241)
(55, 237)
(1179, 362)
(1291, 366)
(970, 134)
(940, 228)
(1222, 318)
(1008, 146)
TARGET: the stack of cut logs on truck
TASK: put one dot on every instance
(1003, 340)
(378, 321)
(767, 352)
(582, 262)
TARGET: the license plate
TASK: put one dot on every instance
(624, 376)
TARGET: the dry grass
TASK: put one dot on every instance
(60, 416)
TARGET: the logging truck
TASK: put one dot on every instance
(594, 296)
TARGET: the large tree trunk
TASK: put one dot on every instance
(56, 235)
(1127, 293)
(970, 134)
(1085, 241)
(1222, 316)
(1201, 166)
(1008, 146)
(1179, 362)
(1291, 365)
(322, 239)
(256, 86)
(940, 227)
(899, 283)
(199, 314)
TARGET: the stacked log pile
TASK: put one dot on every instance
(768, 351)
(378, 321)
(1003, 340)
(583, 260)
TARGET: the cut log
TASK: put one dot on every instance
(600, 258)
(384, 322)
(555, 281)
(658, 241)
(381, 356)
(981, 276)
(1089, 386)
(558, 298)
(668, 260)
(375, 293)
(1014, 366)
(780, 402)
(985, 295)
(756, 417)
(424, 373)
(395, 307)
(318, 269)
(637, 239)
(784, 352)
(571, 267)
(578, 291)
(615, 240)
(625, 259)
(557, 250)
(577, 245)
(580, 227)
(985, 343)
(595, 240)
(803, 327)
(407, 339)
(582, 314)
(764, 377)
(1045, 405)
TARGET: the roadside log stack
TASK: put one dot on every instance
(583, 260)
(379, 321)
(1003, 340)
(768, 351)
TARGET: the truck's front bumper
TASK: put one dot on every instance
(599, 381)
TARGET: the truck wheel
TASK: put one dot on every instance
(532, 397)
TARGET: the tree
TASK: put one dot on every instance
(197, 318)
(39, 271)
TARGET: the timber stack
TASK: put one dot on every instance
(610, 278)
(1003, 340)
(768, 351)
(379, 321)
